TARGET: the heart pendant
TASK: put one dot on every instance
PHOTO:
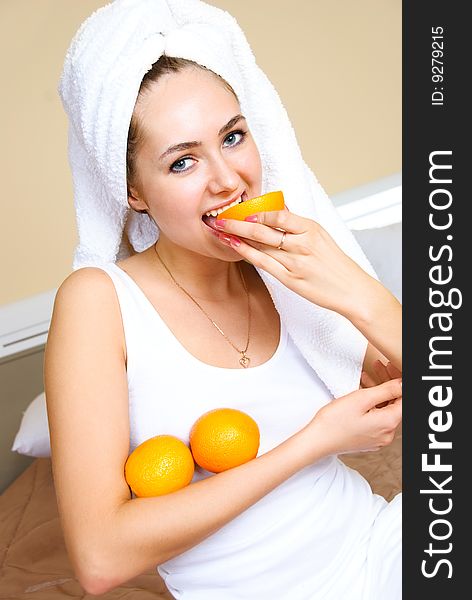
(244, 361)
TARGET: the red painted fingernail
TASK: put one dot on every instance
(251, 219)
(220, 223)
(224, 238)
(234, 241)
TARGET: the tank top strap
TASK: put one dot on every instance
(128, 297)
(136, 308)
(138, 316)
(143, 327)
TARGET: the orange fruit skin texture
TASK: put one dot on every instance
(160, 465)
(224, 438)
(266, 202)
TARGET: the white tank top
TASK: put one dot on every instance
(292, 542)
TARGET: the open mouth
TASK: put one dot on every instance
(210, 217)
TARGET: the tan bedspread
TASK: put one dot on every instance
(34, 563)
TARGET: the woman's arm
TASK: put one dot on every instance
(311, 264)
(110, 537)
(380, 321)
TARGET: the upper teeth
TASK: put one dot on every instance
(216, 212)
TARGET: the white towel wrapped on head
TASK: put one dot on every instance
(104, 66)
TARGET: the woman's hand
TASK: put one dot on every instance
(363, 420)
(306, 259)
(383, 373)
(302, 256)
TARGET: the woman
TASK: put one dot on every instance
(134, 351)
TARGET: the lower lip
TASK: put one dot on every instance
(212, 229)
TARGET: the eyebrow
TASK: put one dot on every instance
(187, 145)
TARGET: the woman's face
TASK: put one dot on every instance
(197, 156)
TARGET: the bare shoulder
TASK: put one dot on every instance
(85, 283)
(88, 291)
(86, 304)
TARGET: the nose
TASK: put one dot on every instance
(223, 177)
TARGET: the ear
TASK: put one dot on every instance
(135, 201)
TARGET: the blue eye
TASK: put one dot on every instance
(179, 165)
(232, 139)
(232, 136)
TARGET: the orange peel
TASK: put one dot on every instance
(159, 465)
(266, 202)
(224, 438)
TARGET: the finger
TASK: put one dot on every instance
(259, 259)
(393, 371)
(273, 261)
(366, 380)
(281, 256)
(392, 413)
(282, 219)
(381, 371)
(384, 392)
(254, 232)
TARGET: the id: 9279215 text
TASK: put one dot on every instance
(437, 66)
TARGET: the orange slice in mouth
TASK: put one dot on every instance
(266, 202)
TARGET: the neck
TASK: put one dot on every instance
(204, 277)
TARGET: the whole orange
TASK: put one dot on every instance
(266, 202)
(224, 438)
(160, 465)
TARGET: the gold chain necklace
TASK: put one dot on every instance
(244, 360)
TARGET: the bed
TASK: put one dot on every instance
(34, 563)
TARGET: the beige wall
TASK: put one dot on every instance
(335, 63)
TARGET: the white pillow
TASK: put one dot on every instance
(383, 248)
(32, 438)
